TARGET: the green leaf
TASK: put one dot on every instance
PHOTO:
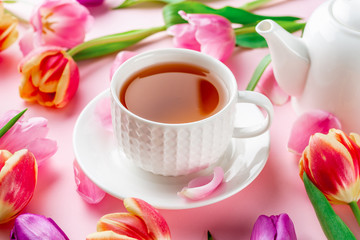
(128, 3)
(111, 43)
(332, 225)
(11, 123)
(235, 15)
(258, 72)
(248, 37)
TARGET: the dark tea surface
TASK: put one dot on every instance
(173, 93)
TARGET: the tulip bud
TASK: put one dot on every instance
(332, 163)
(50, 77)
(18, 176)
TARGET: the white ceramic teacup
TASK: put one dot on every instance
(181, 148)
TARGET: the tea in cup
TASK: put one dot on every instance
(173, 110)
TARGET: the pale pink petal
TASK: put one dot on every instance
(85, 187)
(103, 113)
(268, 86)
(156, 224)
(309, 123)
(26, 42)
(202, 187)
(214, 33)
(184, 36)
(42, 148)
(120, 58)
(29, 134)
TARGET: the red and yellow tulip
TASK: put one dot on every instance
(50, 77)
(141, 222)
(18, 176)
(332, 163)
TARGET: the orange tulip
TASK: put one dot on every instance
(50, 77)
(332, 163)
(8, 31)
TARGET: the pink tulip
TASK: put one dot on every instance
(202, 187)
(88, 191)
(268, 86)
(8, 31)
(29, 134)
(60, 23)
(18, 176)
(50, 77)
(309, 123)
(141, 222)
(208, 33)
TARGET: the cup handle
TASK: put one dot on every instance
(261, 101)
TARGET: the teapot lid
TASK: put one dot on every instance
(347, 12)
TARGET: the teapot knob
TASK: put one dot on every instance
(347, 12)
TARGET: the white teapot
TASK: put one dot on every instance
(321, 70)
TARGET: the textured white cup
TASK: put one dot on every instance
(179, 149)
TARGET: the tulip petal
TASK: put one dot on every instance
(307, 124)
(264, 228)
(197, 189)
(120, 58)
(91, 3)
(268, 86)
(214, 33)
(88, 191)
(285, 227)
(103, 113)
(18, 178)
(26, 42)
(33, 227)
(184, 36)
(124, 224)
(108, 235)
(8, 31)
(29, 134)
(156, 224)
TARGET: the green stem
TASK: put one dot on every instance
(355, 209)
(254, 5)
(115, 38)
(258, 72)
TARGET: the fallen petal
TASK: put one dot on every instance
(88, 191)
(33, 227)
(268, 86)
(156, 224)
(18, 177)
(103, 113)
(108, 235)
(124, 224)
(309, 123)
(195, 191)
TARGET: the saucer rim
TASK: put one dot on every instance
(187, 204)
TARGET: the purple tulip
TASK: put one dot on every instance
(33, 227)
(278, 227)
(91, 3)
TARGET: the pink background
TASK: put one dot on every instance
(278, 188)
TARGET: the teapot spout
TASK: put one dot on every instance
(289, 54)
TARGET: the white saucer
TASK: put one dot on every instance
(96, 154)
